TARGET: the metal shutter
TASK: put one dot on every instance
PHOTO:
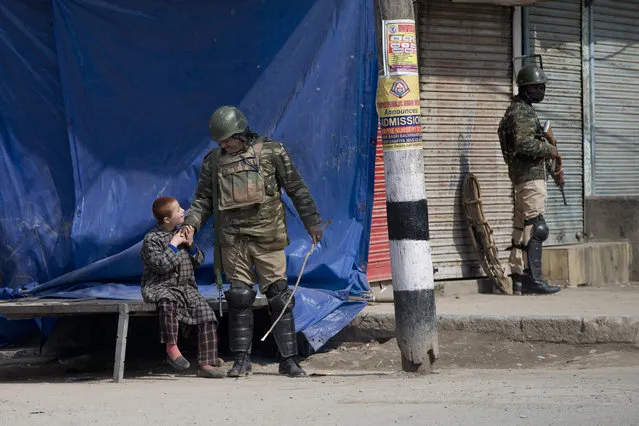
(379, 268)
(555, 33)
(616, 136)
(466, 85)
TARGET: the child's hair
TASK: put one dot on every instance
(162, 208)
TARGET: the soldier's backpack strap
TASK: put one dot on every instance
(257, 147)
(280, 174)
(217, 226)
(277, 161)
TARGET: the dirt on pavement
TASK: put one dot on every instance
(469, 350)
(458, 350)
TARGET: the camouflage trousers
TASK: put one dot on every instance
(249, 263)
(530, 202)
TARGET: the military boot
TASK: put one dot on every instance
(533, 282)
(517, 280)
(240, 301)
(284, 332)
(241, 366)
(289, 367)
(537, 286)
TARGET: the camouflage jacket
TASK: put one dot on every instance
(523, 145)
(264, 223)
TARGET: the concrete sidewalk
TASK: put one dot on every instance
(584, 315)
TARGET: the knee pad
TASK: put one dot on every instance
(240, 298)
(278, 294)
(539, 230)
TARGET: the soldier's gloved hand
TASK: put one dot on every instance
(316, 233)
(559, 177)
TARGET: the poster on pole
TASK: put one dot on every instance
(399, 110)
(400, 47)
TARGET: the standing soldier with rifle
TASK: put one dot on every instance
(530, 158)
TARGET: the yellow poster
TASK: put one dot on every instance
(399, 111)
(400, 47)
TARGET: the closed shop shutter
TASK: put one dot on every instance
(466, 85)
(555, 33)
(616, 151)
(379, 268)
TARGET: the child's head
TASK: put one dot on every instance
(167, 212)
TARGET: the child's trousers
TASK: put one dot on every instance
(206, 333)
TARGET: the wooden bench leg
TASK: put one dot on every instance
(120, 345)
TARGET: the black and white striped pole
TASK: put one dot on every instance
(398, 107)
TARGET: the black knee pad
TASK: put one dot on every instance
(278, 294)
(539, 231)
(240, 298)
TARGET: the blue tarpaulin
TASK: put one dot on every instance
(104, 106)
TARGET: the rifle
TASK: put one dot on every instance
(558, 163)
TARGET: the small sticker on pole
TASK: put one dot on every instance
(400, 47)
(399, 111)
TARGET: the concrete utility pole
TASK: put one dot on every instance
(398, 107)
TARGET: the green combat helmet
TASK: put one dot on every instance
(227, 121)
(531, 74)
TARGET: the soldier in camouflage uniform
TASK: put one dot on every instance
(529, 157)
(240, 185)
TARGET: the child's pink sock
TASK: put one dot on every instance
(172, 351)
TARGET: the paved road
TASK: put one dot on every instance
(608, 396)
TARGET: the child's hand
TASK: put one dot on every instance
(187, 228)
(188, 235)
(178, 239)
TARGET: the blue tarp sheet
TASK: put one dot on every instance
(104, 106)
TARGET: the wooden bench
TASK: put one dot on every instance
(33, 307)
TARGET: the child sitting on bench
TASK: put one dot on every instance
(169, 280)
